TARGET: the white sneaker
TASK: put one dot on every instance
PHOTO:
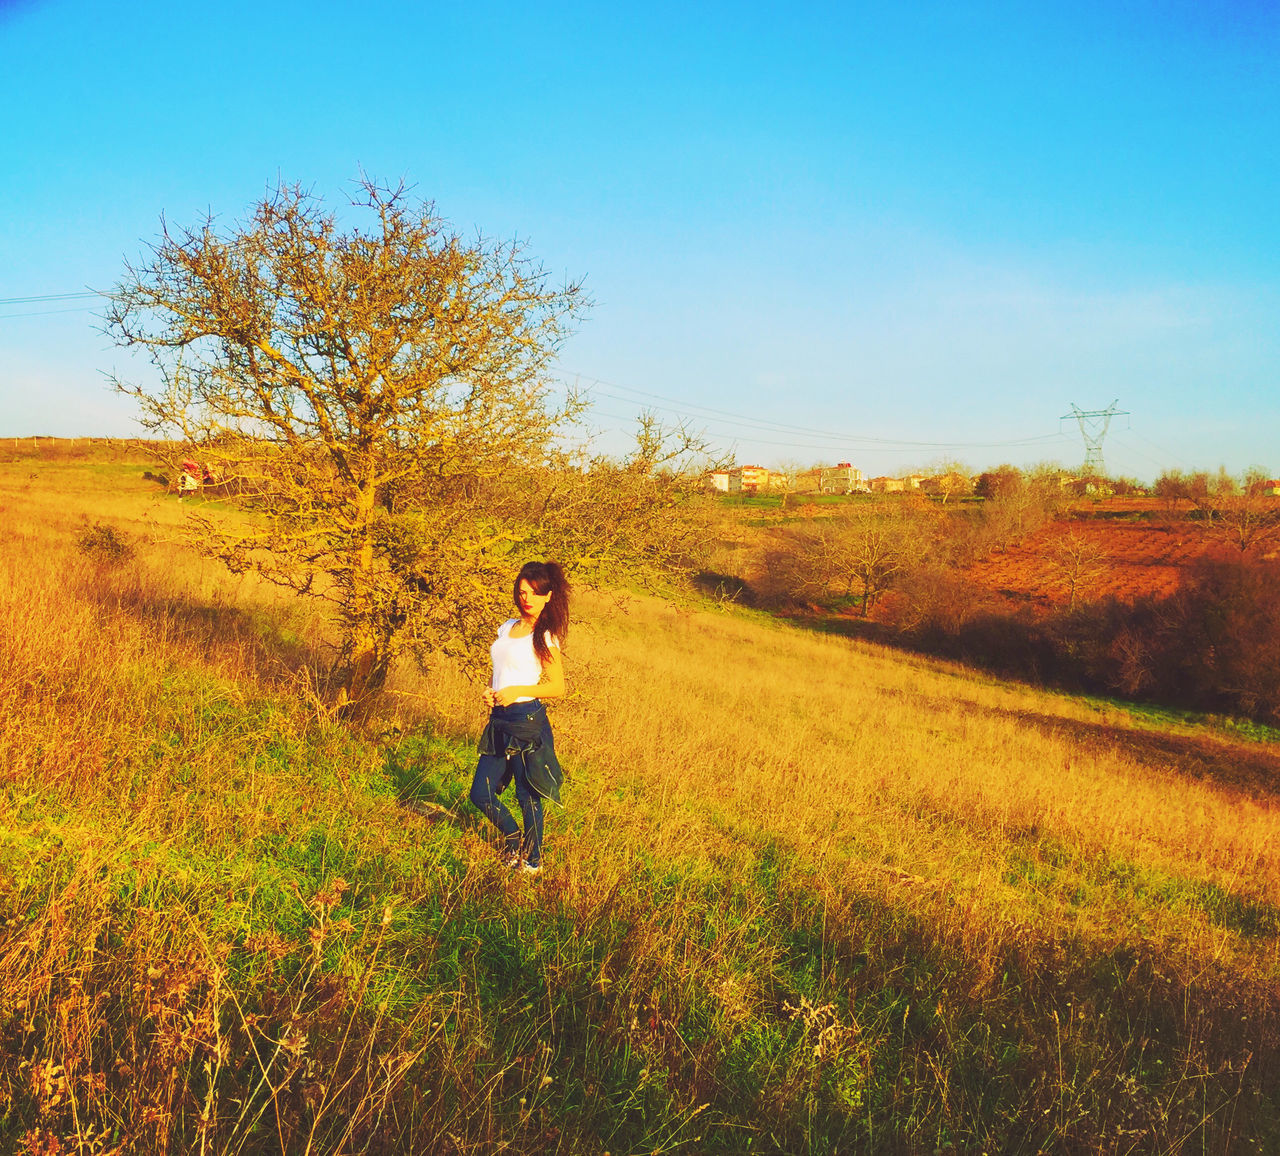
(530, 868)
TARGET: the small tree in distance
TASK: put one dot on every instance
(948, 478)
(1002, 482)
(1078, 562)
(377, 395)
(864, 546)
(1017, 503)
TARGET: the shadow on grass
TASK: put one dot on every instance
(432, 777)
(1252, 768)
(721, 588)
(1251, 918)
(850, 626)
(261, 641)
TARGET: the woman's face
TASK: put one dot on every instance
(531, 602)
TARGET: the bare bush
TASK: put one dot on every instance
(1017, 505)
(1237, 512)
(937, 598)
(105, 545)
(1078, 562)
(861, 551)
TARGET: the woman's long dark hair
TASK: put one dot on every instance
(546, 577)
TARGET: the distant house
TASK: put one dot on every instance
(747, 480)
(842, 478)
(1271, 488)
(886, 485)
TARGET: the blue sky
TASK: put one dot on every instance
(889, 234)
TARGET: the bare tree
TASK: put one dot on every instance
(1018, 503)
(1247, 521)
(1172, 488)
(1238, 513)
(790, 471)
(871, 545)
(993, 485)
(948, 478)
(1078, 562)
(377, 396)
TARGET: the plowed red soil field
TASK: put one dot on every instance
(1145, 550)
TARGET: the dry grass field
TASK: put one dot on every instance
(806, 895)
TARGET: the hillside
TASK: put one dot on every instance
(806, 895)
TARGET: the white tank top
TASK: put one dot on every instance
(515, 663)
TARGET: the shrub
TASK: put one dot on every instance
(105, 545)
(938, 598)
(1218, 639)
(1212, 646)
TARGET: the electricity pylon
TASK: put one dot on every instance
(1093, 428)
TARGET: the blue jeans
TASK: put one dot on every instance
(493, 773)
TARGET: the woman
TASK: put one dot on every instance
(517, 741)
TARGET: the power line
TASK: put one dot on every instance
(1168, 453)
(47, 299)
(50, 297)
(45, 313)
(695, 412)
(816, 443)
(1132, 449)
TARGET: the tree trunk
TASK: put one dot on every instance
(363, 675)
(366, 652)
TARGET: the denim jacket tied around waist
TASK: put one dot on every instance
(519, 741)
